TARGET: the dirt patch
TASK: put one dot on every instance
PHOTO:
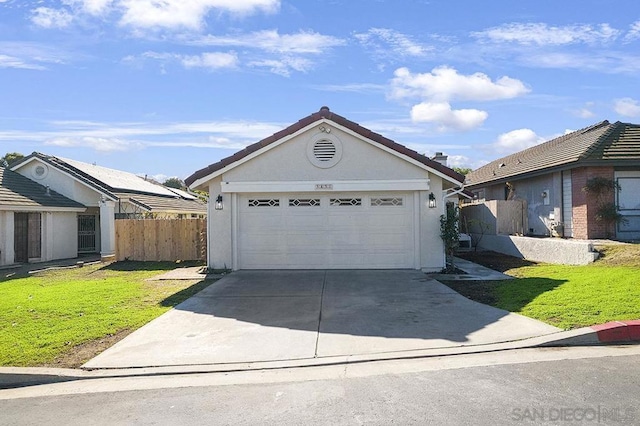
(496, 261)
(82, 353)
(479, 291)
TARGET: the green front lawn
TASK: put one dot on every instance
(47, 316)
(563, 296)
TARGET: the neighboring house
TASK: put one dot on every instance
(551, 177)
(108, 194)
(326, 193)
(36, 223)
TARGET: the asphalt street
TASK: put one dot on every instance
(535, 386)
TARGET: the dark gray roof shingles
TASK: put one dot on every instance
(596, 144)
(19, 191)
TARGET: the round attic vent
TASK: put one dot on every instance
(324, 150)
(39, 171)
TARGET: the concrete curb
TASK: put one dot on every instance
(616, 332)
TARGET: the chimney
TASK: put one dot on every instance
(47, 191)
(440, 158)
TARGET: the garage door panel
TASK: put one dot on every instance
(331, 233)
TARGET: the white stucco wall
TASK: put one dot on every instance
(219, 244)
(289, 162)
(58, 238)
(61, 183)
(64, 235)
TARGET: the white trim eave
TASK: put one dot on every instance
(204, 180)
(18, 208)
(325, 186)
(397, 154)
(18, 166)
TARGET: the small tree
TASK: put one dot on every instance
(9, 158)
(174, 182)
(450, 234)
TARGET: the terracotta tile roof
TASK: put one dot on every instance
(316, 116)
(601, 143)
(19, 191)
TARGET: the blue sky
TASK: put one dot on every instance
(164, 88)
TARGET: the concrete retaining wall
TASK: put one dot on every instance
(548, 250)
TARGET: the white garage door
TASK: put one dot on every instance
(335, 231)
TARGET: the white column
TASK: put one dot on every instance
(46, 246)
(107, 230)
(9, 250)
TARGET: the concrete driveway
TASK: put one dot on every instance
(252, 316)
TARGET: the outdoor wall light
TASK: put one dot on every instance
(218, 205)
(432, 201)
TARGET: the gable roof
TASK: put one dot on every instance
(121, 185)
(18, 191)
(324, 113)
(601, 143)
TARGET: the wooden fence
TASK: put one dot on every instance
(161, 239)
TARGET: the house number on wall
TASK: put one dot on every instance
(324, 186)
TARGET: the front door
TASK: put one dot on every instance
(86, 233)
(26, 236)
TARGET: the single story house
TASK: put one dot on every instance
(37, 224)
(108, 195)
(326, 193)
(551, 177)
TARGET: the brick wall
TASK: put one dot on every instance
(585, 205)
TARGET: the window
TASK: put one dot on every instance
(389, 201)
(272, 202)
(304, 202)
(345, 201)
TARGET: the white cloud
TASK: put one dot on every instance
(584, 113)
(284, 66)
(175, 14)
(92, 7)
(627, 107)
(211, 60)
(139, 135)
(444, 84)
(634, 32)
(542, 34)
(7, 61)
(447, 118)
(303, 42)
(515, 140)
(28, 55)
(149, 14)
(51, 18)
(353, 87)
(384, 41)
(98, 144)
(208, 60)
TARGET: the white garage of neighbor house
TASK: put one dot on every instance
(326, 193)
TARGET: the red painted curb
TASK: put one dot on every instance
(618, 331)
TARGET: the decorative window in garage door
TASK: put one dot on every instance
(345, 201)
(304, 202)
(389, 201)
(272, 202)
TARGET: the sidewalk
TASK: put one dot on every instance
(473, 272)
